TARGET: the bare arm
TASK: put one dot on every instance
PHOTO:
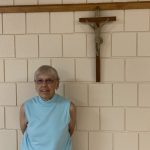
(23, 122)
(72, 118)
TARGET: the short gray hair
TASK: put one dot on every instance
(48, 70)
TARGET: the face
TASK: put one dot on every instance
(45, 86)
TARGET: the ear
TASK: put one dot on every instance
(57, 85)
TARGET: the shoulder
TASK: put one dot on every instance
(61, 99)
(65, 101)
(30, 101)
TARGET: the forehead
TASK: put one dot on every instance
(45, 76)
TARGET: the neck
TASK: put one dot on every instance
(47, 98)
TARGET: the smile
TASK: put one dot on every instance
(44, 90)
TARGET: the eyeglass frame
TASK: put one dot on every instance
(47, 81)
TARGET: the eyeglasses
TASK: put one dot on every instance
(47, 81)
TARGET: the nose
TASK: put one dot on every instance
(44, 83)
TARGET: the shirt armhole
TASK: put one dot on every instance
(25, 112)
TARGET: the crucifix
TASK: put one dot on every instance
(96, 23)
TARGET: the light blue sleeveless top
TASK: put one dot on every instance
(47, 127)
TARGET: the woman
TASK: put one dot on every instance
(47, 121)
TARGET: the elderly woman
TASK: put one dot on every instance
(47, 121)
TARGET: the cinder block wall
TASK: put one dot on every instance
(111, 115)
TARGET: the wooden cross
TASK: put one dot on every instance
(96, 23)
(82, 7)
